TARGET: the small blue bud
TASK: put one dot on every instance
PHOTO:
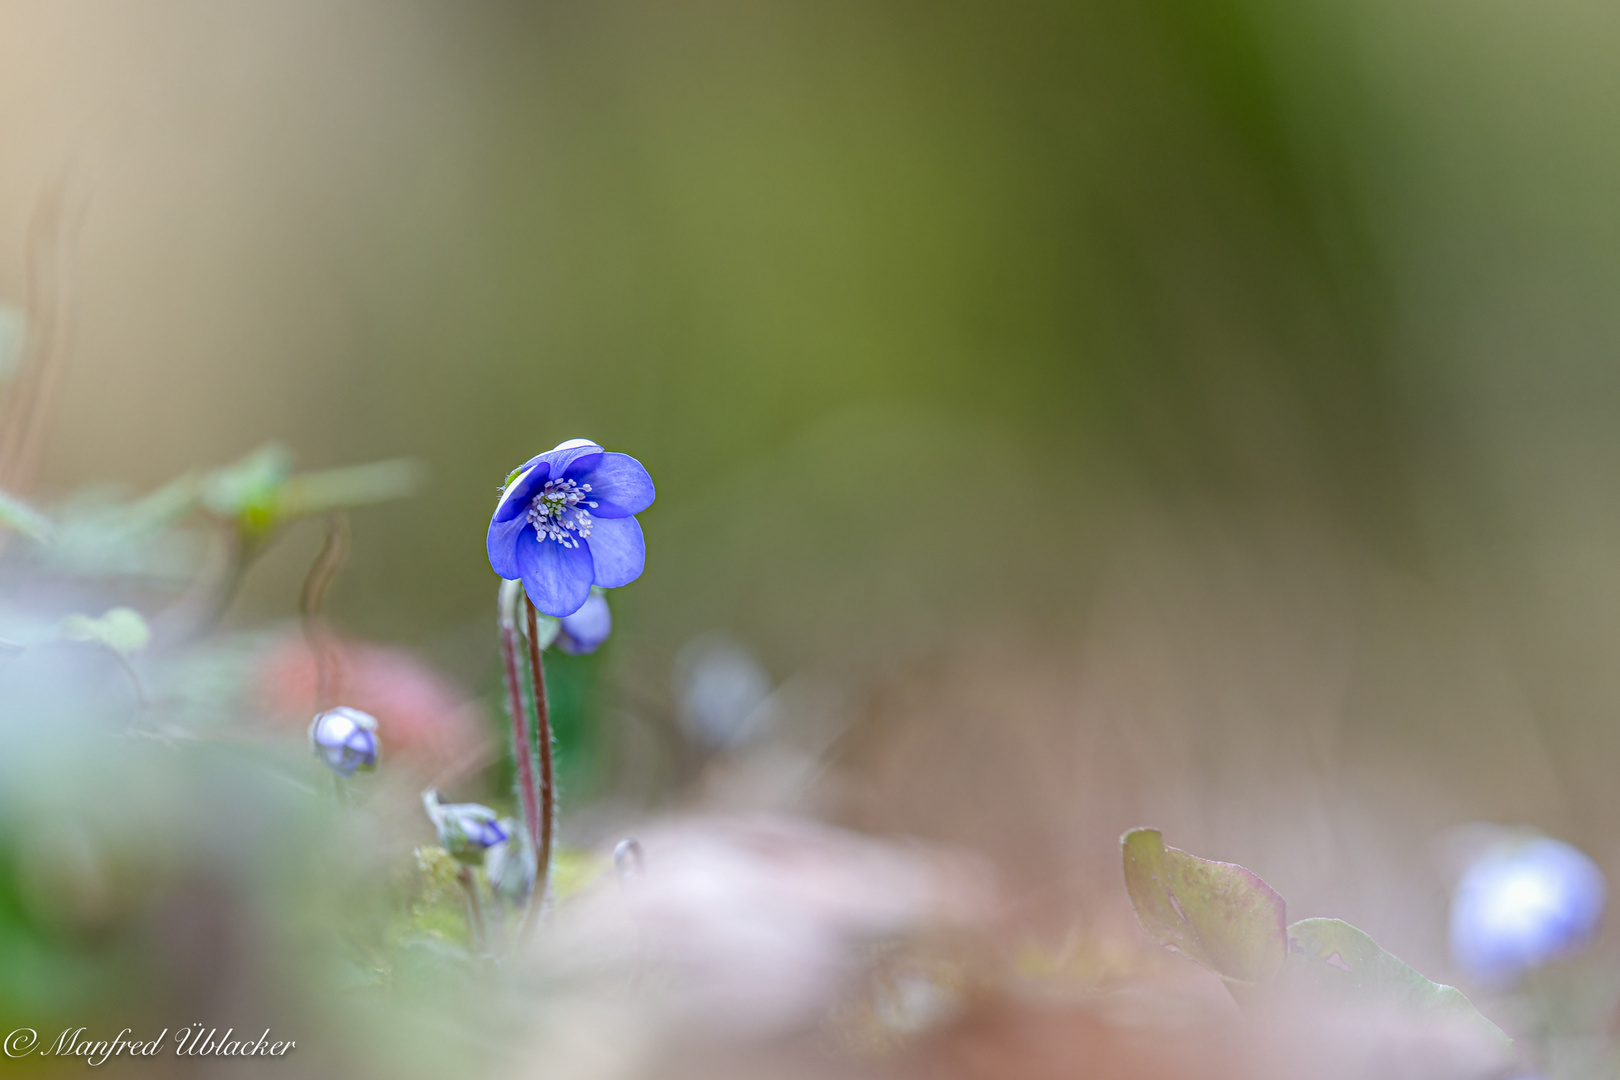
(345, 739)
(1522, 904)
(629, 860)
(466, 830)
(585, 630)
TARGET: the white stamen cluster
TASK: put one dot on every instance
(561, 512)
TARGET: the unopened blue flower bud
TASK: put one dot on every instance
(345, 739)
(510, 866)
(585, 630)
(466, 830)
(629, 860)
(1522, 904)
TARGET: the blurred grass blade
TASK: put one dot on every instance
(167, 505)
(355, 485)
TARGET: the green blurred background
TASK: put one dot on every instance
(1221, 392)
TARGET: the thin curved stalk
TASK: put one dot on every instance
(522, 743)
(548, 786)
(477, 932)
(311, 599)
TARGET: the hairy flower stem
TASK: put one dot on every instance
(522, 743)
(548, 786)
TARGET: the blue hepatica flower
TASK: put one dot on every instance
(345, 739)
(566, 521)
(466, 830)
(585, 630)
(1522, 904)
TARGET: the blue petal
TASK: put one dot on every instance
(586, 629)
(565, 456)
(515, 499)
(501, 543)
(360, 751)
(557, 579)
(618, 550)
(620, 486)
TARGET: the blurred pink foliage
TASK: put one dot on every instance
(424, 720)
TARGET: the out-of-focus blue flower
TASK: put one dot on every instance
(722, 693)
(585, 630)
(566, 521)
(466, 830)
(1522, 904)
(345, 739)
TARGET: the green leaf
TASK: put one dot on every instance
(101, 533)
(1227, 919)
(160, 509)
(1218, 914)
(1332, 959)
(260, 492)
(18, 516)
(249, 492)
(122, 630)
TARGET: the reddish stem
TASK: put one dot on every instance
(521, 750)
(548, 787)
(328, 659)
